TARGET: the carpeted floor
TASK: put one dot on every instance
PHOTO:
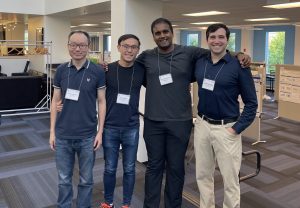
(28, 177)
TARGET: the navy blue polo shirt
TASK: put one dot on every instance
(120, 115)
(78, 119)
(231, 81)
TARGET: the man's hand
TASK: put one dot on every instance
(98, 141)
(232, 131)
(244, 59)
(59, 106)
(52, 141)
(104, 65)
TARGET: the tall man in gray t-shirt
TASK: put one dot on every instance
(168, 113)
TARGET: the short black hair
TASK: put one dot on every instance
(161, 20)
(80, 32)
(127, 36)
(214, 27)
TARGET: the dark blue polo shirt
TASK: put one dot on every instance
(78, 119)
(232, 81)
(120, 115)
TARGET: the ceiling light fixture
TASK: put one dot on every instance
(88, 25)
(265, 19)
(204, 23)
(209, 13)
(106, 23)
(284, 5)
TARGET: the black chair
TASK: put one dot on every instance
(2, 74)
(26, 66)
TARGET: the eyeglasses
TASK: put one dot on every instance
(132, 47)
(74, 46)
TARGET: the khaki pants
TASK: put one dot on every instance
(215, 143)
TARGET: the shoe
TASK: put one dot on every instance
(106, 205)
(125, 206)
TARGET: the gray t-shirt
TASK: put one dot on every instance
(171, 102)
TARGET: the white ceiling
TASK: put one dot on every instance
(173, 10)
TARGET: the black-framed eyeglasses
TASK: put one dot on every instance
(74, 46)
(132, 47)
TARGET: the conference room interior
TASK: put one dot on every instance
(33, 43)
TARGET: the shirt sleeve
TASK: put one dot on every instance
(57, 78)
(101, 78)
(197, 52)
(248, 94)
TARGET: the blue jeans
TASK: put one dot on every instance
(112, 139)
(66, 149)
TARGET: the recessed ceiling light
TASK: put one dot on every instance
(73, 26)
(174, 25)
(209, 13)
(284, 5)
(106, 23)
(204, 23)
(88, 25)
(266, 19)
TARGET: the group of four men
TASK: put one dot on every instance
(166, 71)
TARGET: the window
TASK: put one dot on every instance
(231, 42)
(275, 42)
(94, 43)
(192, 39)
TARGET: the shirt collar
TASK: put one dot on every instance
(85, 65)
(226, 58)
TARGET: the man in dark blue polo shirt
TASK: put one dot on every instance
(124, 79)
(79, 84)
(219, 123)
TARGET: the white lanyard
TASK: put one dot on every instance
(124, 98)
(165, 78)
(72, 94)
(209, 84)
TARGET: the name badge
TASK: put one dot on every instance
(165, 79)
(208, 84)
(72, 94)
(123, 99)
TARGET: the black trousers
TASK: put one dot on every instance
(166, 144)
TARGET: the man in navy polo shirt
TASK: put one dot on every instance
(219, 123)
(79, 84)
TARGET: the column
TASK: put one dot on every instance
(247, 42)
(135, 17)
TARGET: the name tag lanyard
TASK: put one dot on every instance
(73, 94)
(124, 98)
(165, 78)
(208, 83)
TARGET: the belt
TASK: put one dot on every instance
(217, 122)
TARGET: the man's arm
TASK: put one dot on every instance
(248, 94)
(101, 117)
(244, 59)
(53, 113)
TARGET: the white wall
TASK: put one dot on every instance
(57, 30)
(23, 7)
(37, 62)
(203, 39)
(176, 39)
(247, 41)
(53, 6)
(297, 45)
